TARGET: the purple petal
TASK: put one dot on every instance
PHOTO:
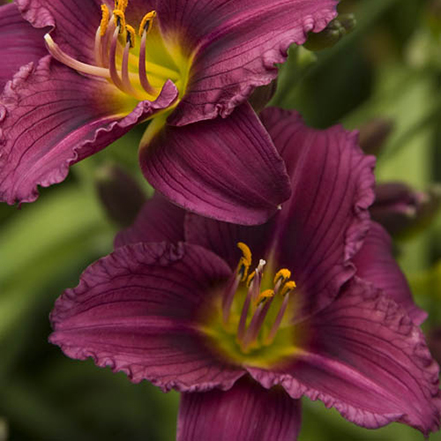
(51, 117)
(367, 359)
(323, 225)
(238, 44)
(376, 264)
(135, 311)
(247, 412)
(222, 237)
(158, 221)
(21, 43)
(227, 169)
(74, 23)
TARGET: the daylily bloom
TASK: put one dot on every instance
(244, 321)
(182, 65)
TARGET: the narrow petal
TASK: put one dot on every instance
(226, 169)
(376, 264)
(159, 220)
(323, 225)
(51, 117)
(21, 43)
(237, 45)
(247, 412)
(74, 23)
(367, 359)
(134, 311)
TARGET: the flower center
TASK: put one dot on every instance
(252, 319)
(137, 63)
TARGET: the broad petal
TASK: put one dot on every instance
(368, 360)
(21, 43)
(246, 412)
(376, 264)
(134, 311)
(158, 221)
(222, 237)
(323, 225)
(237, 46)
(73, 23)
(51, 117)
(226, 169)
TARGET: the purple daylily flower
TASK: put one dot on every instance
(244, 321)
(183, 65)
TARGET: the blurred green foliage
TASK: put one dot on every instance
(390, 65)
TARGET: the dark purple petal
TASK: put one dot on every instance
(222, 237)
(21, 43)
(367, 359)
(376, 264)
(323, 225)
(51, 117)
(74, 23)
(226, 169)
(159, 220)
(135, 311)
(247, 412)
(238, 44)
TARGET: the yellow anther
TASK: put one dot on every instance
(131, 35)
(283, 275)
(288, 287)
(146, 23)
(250, 278)
(120, 18)
(244, 262)
(121, 4)
(105, 15)
(264, 296)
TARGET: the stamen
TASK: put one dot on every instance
(228, 298)
(125, 73)
(244, 262)
(284, 274)
(66, 59)
(112, 60)
(276, 325)
(121, 4)
(264, 302)
(104, 20)
(141, 67)
(288, 287)
(253, 283)
(146, 23)
(120, 19)
(130, 35)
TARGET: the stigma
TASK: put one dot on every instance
(120, 54)
(260, 302)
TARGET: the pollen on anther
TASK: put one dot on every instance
(131, 35)
(105, 15)
(288, 287)
(264, 296)
(121, 4)
(245, 261)
(283, 274)
(120, 18)
(146, 23)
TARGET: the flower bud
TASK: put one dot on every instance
(119, 193)
(374, 134)
(404, 211)
(332, 34)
